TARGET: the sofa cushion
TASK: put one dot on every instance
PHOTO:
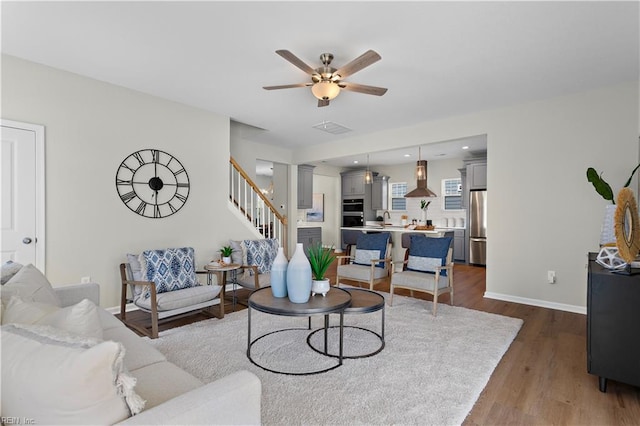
(30, 285)
(239, 253)
(162, 381)
(181, 298)
(134, 272)
(359, 272)
(47, 369)
(262, 253)
(426, 253)
(170, 269)
(81, 319)
(9, 269)
(370, 247)
(138, 352)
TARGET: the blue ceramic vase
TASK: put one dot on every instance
(279, 274)
(299, 277)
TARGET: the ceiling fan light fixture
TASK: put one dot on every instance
(325, 90)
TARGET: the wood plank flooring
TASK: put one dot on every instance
(542, 379)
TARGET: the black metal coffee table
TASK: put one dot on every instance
(335, 302)
(362, 302)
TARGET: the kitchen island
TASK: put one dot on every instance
(350, 235)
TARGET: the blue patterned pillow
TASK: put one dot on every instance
(261, 253)
(426, 253)
(371, 246)
(170, 269)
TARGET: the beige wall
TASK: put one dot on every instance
(543, 214)
(90, 128)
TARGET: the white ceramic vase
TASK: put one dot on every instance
(279, 274)
(299, 276)
(320, 287)
(607, 233)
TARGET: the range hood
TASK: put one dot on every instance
(421, 191)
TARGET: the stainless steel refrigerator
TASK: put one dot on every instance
(478, 227)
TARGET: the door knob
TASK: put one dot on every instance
(26, 240)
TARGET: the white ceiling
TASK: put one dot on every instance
(438, 58)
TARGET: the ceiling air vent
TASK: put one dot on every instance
(331, 127)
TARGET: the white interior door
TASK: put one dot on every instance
(22, 186)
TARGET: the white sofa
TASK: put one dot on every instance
(172, 395)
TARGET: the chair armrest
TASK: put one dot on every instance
(72, 294)
(231, 400)
(397, 262)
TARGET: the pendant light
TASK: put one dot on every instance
(421, 170)
(368, 176)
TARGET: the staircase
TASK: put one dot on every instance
(254, 206)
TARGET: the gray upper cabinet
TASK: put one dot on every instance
(305, 186)
(477, 176)
(353, 185)
(380, 193)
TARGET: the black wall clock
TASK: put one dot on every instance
(152, 183)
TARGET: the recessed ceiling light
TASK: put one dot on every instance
(440, 155)
(355, 161)
(465, 147)
(407, 155)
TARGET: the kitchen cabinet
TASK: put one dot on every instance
(380, 193)
(463, 182)
(458, 245)
(353, 185)
(477, 176)
(309, 237)
(305, 186)
(613, 325)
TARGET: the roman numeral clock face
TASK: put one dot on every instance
(152, 183)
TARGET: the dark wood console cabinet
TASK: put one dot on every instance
(613, 325)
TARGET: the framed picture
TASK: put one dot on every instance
(316, 212)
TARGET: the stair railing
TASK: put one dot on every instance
(253, 205)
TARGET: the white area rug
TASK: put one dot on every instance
(430, 372)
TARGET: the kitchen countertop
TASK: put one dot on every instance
(396, 228)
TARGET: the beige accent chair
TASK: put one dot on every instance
(160, 306)
(434, 283)
(369, 274)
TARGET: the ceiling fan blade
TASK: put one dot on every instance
(295, 61)
(323, 102)
(362, 61)
(362, 88)
(286, 86)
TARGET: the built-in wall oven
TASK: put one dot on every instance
(352, 212)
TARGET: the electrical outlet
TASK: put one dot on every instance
(85, 280)
(551, 277)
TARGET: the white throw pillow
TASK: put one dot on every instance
(30, 285)
(81, 319)
(53, 377)
(9, 269)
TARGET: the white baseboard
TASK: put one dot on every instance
(116, 309)
(536, 302)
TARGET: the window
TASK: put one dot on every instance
(452, 194)
(398, 190)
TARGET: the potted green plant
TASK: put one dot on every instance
(225, 252)
(607, 235)
(320, 258)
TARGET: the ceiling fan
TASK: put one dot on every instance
(326, 81)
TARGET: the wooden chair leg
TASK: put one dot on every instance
(435, 301)
(391, 296)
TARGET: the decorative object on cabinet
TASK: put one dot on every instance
(424, 205)
(320, 259)
(607, 234)
(316, 212)
(609, 258)
(627, 226)
(152, 183)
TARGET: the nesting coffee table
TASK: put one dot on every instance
(362, 302)
(335, 302)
